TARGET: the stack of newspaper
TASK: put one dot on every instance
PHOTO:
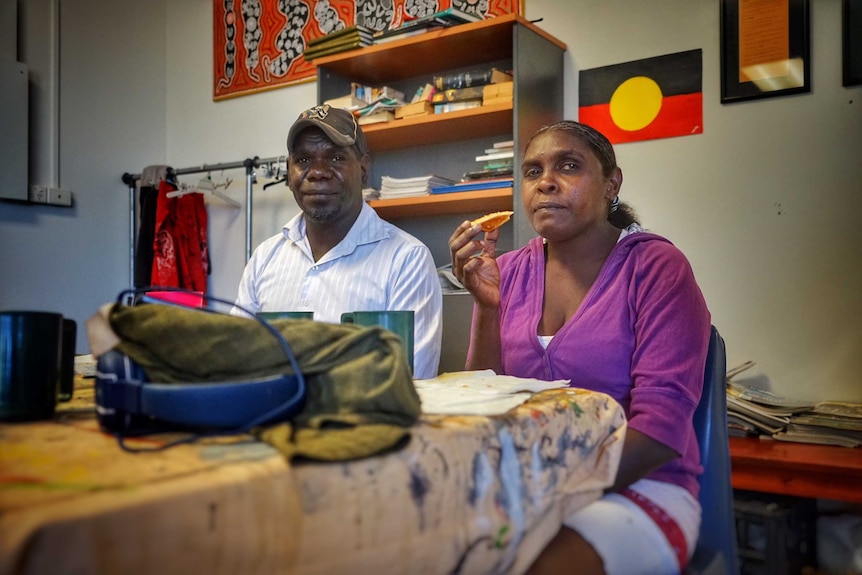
(752, 411)
(828, 423)
(757, 412)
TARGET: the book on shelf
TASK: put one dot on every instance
(423, 93)
(457, 95)
(495, 149)
(470, 78)
(356, 31)
(498, 90)
(455, 106)
(371, 94)
(443, 18)
(327, 50)
(415, 109)
(474, 185)
(376, 117)
(487, 173)
(497, 155)
(348, 102)
(497, 101)
(401, 33)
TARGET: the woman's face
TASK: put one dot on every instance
(563, 189)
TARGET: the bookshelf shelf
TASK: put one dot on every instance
(447, 144)
(493, 200)
(439, 128)
(433, 51)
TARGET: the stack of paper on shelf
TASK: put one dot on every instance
(827, 423)
(753, 411)
(366, 99)
(339, 41)
(381, 110)
(409, 187)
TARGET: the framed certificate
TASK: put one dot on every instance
(765, 49)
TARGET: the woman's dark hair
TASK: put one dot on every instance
(622, 215)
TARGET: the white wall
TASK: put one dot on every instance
(761, 202)
(112, 88)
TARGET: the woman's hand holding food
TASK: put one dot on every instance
(474, 261)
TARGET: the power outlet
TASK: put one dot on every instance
(37, 195)
(59, 197)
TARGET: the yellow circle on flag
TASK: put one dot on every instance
(636, 103)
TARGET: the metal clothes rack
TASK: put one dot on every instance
(249, 164)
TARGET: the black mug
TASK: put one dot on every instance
(34, 373)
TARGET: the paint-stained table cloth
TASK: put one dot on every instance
(466, 494)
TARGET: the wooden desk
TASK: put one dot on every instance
(800, 469)
(466, 494)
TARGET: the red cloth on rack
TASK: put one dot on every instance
(180, 250)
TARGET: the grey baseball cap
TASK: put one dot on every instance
(338, 124)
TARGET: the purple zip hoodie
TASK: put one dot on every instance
(640, 335)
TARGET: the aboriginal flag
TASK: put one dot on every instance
(657, 97)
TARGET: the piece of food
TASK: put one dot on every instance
(492, 221)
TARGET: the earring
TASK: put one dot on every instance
(615, 204)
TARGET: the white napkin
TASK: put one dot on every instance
(478, 392)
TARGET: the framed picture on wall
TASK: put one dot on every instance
(260, 44)
(852, 42)
(765, 49)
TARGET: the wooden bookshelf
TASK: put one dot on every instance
(435, 50)
(493, 200)
(415, 144)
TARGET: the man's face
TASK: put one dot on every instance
(326, 179)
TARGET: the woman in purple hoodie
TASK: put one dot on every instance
(599, 301)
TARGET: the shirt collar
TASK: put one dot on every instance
(368, 228)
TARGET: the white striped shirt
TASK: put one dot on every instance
(377, 266)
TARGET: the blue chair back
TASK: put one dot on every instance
(716, 550)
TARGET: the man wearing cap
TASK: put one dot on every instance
(338, 255)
